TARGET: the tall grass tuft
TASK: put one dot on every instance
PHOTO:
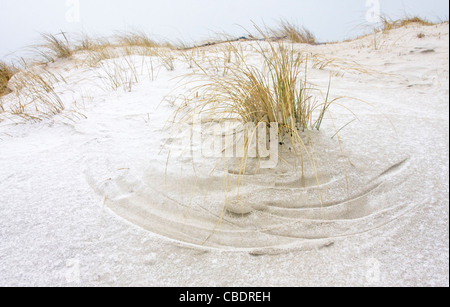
(277, 91)
(55, 47)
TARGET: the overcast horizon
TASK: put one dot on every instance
(22, 21)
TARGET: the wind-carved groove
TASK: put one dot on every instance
(269, 214)
(394, 168)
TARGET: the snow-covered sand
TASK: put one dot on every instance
(89, 201)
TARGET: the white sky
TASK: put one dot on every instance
(21, 21)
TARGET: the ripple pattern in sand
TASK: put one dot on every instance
(276, 208)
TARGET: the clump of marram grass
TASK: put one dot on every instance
(294, 33)
(55, 47)
(276, 91)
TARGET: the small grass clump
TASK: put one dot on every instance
(294, 33)
(55, 47)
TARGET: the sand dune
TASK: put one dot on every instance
(100, 190)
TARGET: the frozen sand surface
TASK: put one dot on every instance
(70, 189)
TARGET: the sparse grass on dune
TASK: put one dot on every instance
(167, 58)
(117, 74)
(277, 92)
(35, 95)
(188, 55)
(136, 39)
(90, 44)
(390, 24)
(100, 54)
(140, 39)
(386, 25)
(59, 46)
(294, 33)
(126, 44)
(217, 59)
(34, 86)
(98, 50)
